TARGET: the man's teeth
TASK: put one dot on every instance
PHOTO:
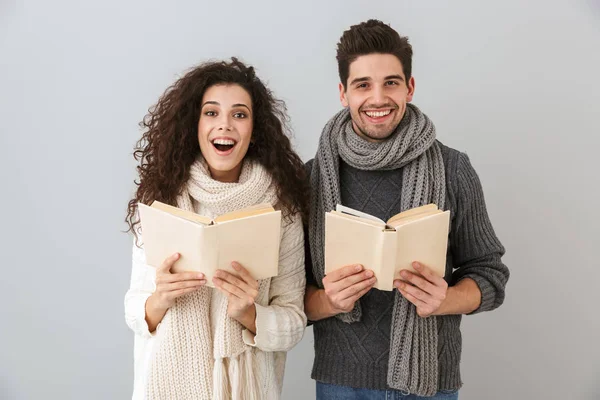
(224, 142)
(376, 114)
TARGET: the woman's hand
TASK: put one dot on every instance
(170, 286)
(241, 291)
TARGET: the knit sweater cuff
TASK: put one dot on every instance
(249, 338)
(139, 304)
(255, 339)
(488, 293)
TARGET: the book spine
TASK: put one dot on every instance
(208, 252)
(385, 279)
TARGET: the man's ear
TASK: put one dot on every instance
(343, 98)
(411, 89)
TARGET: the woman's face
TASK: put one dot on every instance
(225, 129)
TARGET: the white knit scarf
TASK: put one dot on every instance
(200, 353)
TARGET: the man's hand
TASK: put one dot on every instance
(344, 286)
(425, 289)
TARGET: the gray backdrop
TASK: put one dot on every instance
(513, 84)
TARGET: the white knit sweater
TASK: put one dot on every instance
(279, 326)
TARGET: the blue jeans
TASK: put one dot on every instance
(326, 391)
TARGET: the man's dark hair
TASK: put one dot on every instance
(371, 37)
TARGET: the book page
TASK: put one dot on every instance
(424, 240)
(407, 220)
(163, 235)
(190, 216)
(377, 223)
(428, 208)
(207, 250)
(252, 242)
(245, 212)
(349, 242)
(350, 211)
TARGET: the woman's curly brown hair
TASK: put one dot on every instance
(169, 143)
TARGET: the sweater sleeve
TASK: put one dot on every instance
(141, 287)
(476, 250)
(280, 325)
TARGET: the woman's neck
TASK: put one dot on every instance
(230, 176)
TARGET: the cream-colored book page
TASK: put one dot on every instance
(209, 254)
(377, 223)
(163, 235)
(246, 212)
(351, 242)
(191, 216)
(407, 220)
(424, 240)
(426, 209)
(351, 211)
(251, 241)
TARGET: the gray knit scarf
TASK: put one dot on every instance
(413, 363)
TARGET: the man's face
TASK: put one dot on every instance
(376, 93)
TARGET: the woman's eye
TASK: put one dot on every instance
(210, 113)
(239, 115)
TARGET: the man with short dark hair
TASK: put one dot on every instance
(380, 155)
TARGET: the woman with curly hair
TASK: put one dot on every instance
(216, 142)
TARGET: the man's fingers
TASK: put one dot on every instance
(428, 274)
(412, 290)
(354, 279)
(341, 286)
(362, 293)
(418, 303)
(357, 288)
(418, 281)
(343, 272)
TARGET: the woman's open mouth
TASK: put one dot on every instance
(223, 146)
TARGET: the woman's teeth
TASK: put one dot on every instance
(225, 142)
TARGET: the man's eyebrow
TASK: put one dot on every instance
(399, 77)
(361, 79)
(387, 78)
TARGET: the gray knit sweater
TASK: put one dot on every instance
(356, 354)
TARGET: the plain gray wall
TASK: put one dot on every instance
(514, 84)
